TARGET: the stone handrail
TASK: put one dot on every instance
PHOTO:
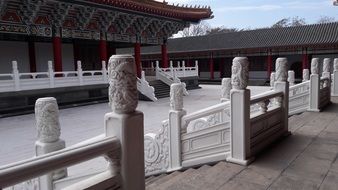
(169, 79)
(299, 96)
(31, 168)
(265, 96)
(204, 114)
(144, 87)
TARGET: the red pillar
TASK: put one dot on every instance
(164, 55)
(103, 50)
(305, 61)
(211, 67)
(32, 58)
(269, 66)
(137, 55)
(57, 53)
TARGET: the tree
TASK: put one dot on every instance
(325, 19)
(195, 29)
(218, 30)
(286, 22)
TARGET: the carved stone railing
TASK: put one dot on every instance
(126, 158)
(181, 70)
(324, 92)
(299, 97)
(41, 80)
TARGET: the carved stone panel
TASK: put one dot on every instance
(240, 73)
(123, 94)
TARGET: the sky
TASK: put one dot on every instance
(262, 13)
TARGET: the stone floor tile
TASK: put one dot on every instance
(241, 185)
(293, 183)
(330, 182)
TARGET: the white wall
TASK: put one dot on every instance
(44, 53)
(10, 51)
(68, 57)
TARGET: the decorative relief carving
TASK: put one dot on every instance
(47, 120)
(176, 96)
(240, 73)
(198, 124)
(156, 150)
(281, 69)
(326, 65)
(315, 66)
(306, 75)
(226, 87)
(123, 94)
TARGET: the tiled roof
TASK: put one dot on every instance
(191, 14)
(306, 35)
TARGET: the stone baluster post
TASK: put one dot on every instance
(171, 68)
(183, 68)
(272, 79)
(314, 86)
(240, 112)
(48, 127)
(51, 74)
(225, 91)
(291, 78)
(196, 68)
(79, 72)
(157, 70)
(282, 84)
(124, 121)
(104, 71)
(152, 65)
(326, 71)
(178, 64)
(335, 78)
(16, 76)
(175, 119)
(306, 75)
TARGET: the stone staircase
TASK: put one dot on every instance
(224, 175)
(162, 90)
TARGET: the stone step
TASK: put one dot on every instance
(152, 179)
(155, 184)
(174, 181)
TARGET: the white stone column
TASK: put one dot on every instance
(225, 91)
(79, 72)
(335, 78)
(16, 76)
(196, 67)
(124, 121)
(314, 86)
(175, 119)
(157, 70)
(282, 84)
(291, 77)
(326, 68)
(306, 75)
(51, 74)
(240, 113)
(272, 79)
(104, 71)
(48, 127)
(183, 68)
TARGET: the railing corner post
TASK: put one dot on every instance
(175, 119)
(240, 113)
(48, 127)
(104, 71)
(282, 84)
(125, 122)
(314, 86)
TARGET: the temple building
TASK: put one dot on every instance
(262, 46)
(33, 32)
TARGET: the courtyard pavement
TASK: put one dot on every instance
(18, 134)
